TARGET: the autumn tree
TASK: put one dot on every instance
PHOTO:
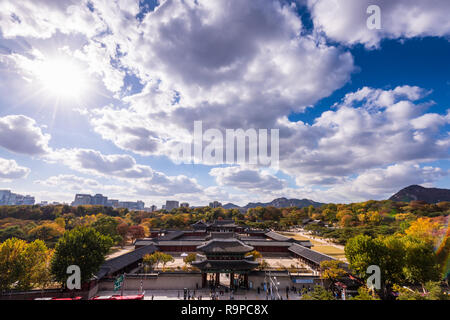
(255, 254)
(23, 265)
(122, 230)
(136, 232)
(332, 270)
(191, 257)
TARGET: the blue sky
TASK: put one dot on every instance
(95, 98)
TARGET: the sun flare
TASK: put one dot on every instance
(62, 78)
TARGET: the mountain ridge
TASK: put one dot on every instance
(419, 193)
(277, 203)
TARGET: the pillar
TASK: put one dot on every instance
(217, 279)
(231, 280)
(246, 281)
(204, 280)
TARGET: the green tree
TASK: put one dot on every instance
(108, 226)
(421, 263)
(319, 293)
(83, 247)
(365, 293)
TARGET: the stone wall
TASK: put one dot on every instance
(162, 281)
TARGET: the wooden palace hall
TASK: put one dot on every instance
(225, 256)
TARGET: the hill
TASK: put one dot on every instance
(415, 192)
(277, 203)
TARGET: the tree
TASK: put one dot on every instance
(122, 230)
(319, 293)
(165, 259)
(255, 254)
(150, 260)
(421, 263)
(156, 258)
(191, 257)
(432, 291)
(22, 264)
(365, 293)
(423, 228)
(83, 247)
(48, 232)
(331, 270)
(108, 227)
(136, 232)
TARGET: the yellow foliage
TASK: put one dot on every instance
(424, 228)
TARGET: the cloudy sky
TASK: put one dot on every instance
(95, 95)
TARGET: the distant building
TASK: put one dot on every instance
(164, 207)
(153, 208)
(28, 200)
(82, 199)
(138, 205)
(112, 203)
(215, 204)
(170, 205)
(184, 205)
(7, 198)
(100, 200)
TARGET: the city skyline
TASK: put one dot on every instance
(95, 98)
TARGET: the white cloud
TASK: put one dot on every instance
(20, 134)
(72, 183)
(369, 128)
(346, 21)
(95, 163)
(247, 179)
(381, 183)
(43, 18)
(10, 170)
(258, 70)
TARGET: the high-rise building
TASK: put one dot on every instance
(184, 205)
(28, 200)
(138, 205)
(7, 198)
(215, 204)
(82, 199)
(99, 200)
(153, 208)
(4, 197)
(112, 203)
(170, 205)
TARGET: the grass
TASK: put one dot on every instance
(319, 246)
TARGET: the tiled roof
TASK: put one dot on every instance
(179, 242)
(268, 243)
(118, 263)
(225, 264)
(172, 235)
(278, 237)
(308, 254)
(224, 223)
(225, 246)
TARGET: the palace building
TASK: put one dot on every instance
(223, 258)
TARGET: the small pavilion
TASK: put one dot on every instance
(225, 255)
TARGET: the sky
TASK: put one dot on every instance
(95, 97)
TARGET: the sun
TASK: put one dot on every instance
(62, 78)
